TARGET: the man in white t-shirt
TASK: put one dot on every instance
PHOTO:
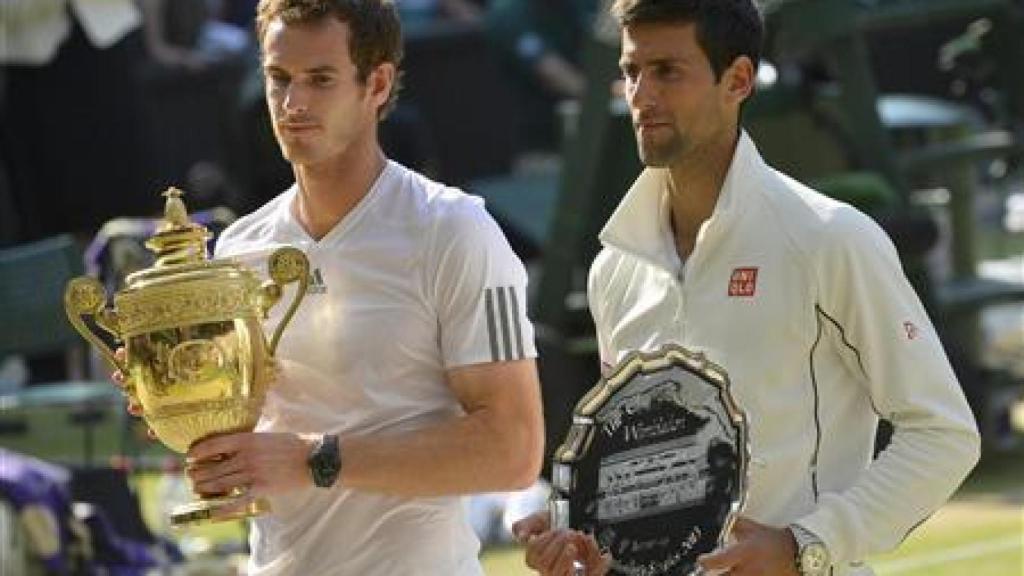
(407, 376)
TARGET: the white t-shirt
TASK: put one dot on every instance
(416, 280)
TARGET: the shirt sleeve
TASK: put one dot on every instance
(910, 382)
(479, 290)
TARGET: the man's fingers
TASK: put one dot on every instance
(213, 448)
(565, 564)
(532, 525)
(534, 547)
(556, 553)
(213, 468)
(597, 563)
(545, 550)
(236, 508)
(223, 484)
(554, 549)
(743, 526)
(723, 559)
(118, 376)
(121, 381)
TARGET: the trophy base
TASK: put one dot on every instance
(211, 510)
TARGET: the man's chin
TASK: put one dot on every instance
(298, 154)
(652, 159)
(655, 156)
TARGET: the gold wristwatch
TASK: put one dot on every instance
(812, 557)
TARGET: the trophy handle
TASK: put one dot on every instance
(86, 296)
(286, 265)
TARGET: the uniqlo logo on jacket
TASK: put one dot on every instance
(743, 282)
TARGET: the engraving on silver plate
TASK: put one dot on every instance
(659, 472)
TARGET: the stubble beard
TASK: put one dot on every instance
(661, 154)
(300, 151)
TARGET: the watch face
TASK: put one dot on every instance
(325, 463)
(814, 560)
(324, 471)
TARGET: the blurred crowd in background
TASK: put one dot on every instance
(103, 104)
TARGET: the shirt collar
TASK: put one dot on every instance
(641, 224)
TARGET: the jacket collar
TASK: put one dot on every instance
(641, 224)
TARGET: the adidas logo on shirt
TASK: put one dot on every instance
(316, 283)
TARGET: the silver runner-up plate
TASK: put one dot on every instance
(655, 463)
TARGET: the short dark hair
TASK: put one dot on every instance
(726, 29)
(374, 26)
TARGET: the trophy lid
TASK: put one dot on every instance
(178, 240)
(179, 246)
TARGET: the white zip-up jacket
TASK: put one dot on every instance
(803, 301)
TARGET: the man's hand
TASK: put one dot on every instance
(557, 552)
(256, 463)
(121, 380)
(758, 550)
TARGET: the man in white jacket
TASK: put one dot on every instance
(799, 297)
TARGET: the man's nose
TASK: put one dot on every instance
(641, 93)
(295, 99)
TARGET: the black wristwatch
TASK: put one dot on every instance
(325, 461)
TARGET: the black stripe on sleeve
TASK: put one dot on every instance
(506, 337)
(491, 332)
(517, 327)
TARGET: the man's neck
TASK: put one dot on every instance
(694, 186)
(330, 191)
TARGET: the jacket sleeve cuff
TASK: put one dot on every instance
(824, 524)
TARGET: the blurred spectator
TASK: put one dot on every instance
(416, 11)
(34, 30)
(190, 87)
(241, 13)
(185, 33)
(540, 43)
(68, 140)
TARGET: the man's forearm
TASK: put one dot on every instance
(910, 480)
(472, 453)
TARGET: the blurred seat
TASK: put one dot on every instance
(33, 322)
(32, 280)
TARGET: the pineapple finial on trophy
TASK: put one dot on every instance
(178, 240)
(175, 213)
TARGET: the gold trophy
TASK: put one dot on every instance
(196, 358)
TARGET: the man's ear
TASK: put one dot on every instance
(738, 80)
(379, 84)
